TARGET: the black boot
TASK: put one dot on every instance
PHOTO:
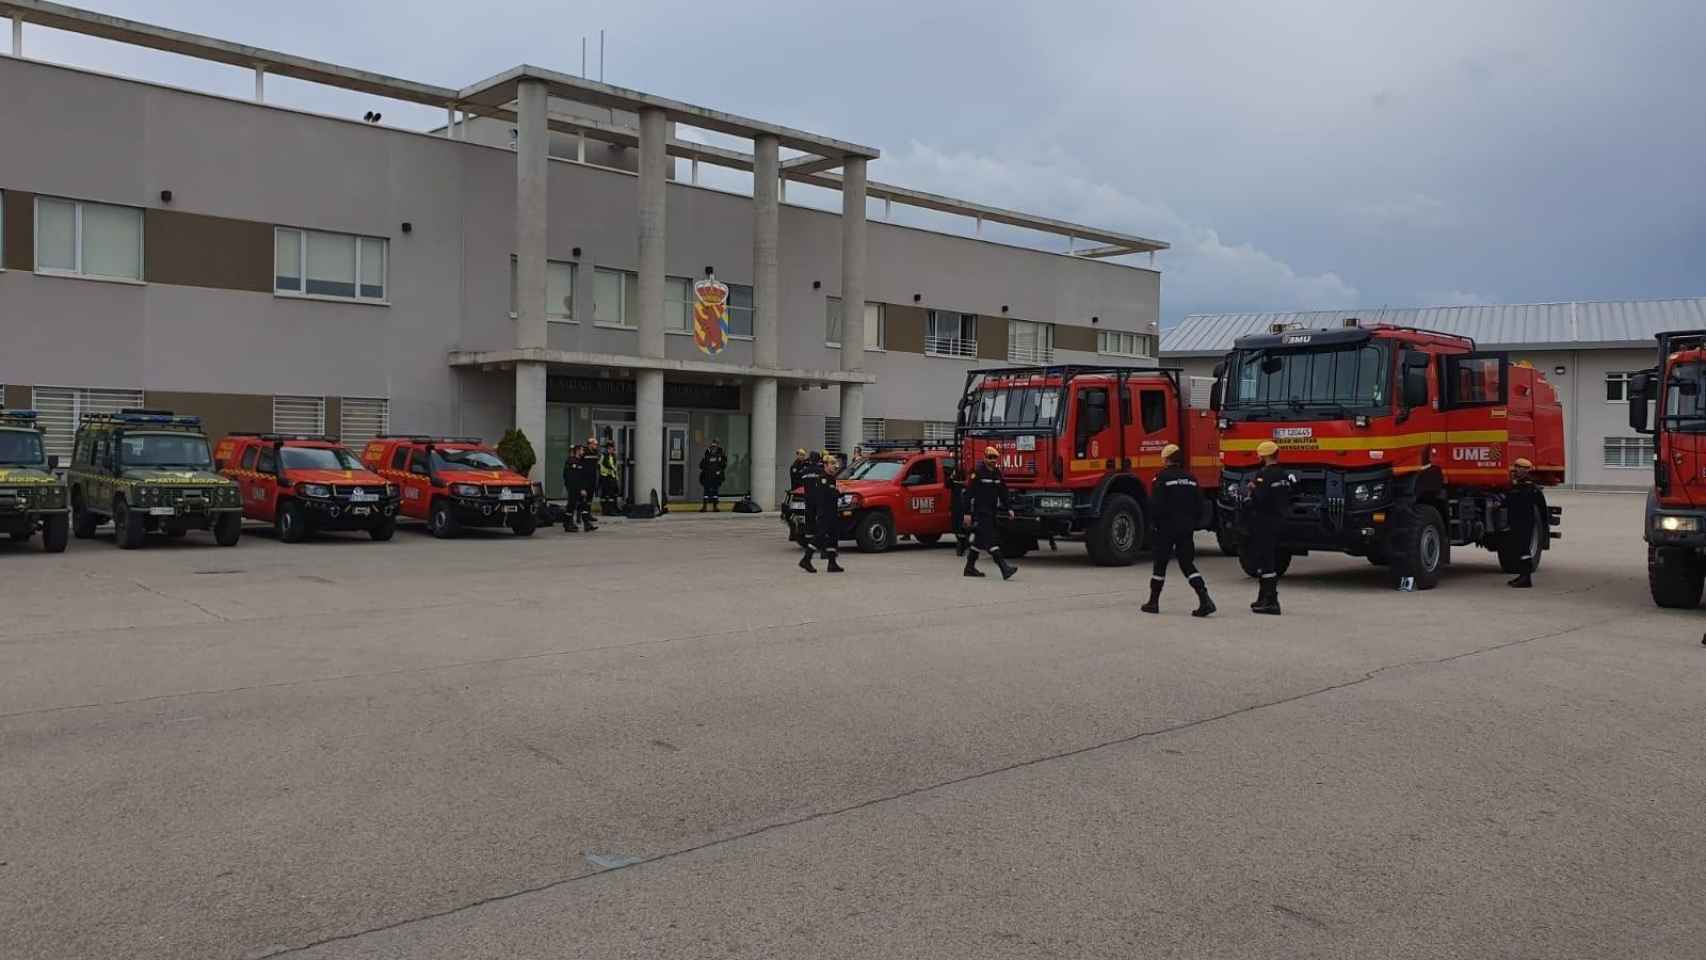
(833, 566)
(960, 546)
(971, 564)
(1154, 604)
(1522, 581)
(1007, 569)
(586, 521)
(1269, 601)
(1205, 606)
(806, 561)
(569, 524)
(702, 505)
(716, 506)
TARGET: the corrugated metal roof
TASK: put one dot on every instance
(1523, 325)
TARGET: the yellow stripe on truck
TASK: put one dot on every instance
(1399, 442)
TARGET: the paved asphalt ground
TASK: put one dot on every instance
(663, 740)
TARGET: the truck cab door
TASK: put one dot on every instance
(1094, 433)
(260, 490)
(1486, 428)
(1155, 420)
(924, 497)
(416, 482)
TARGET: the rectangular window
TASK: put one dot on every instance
(1118, 343)
(62, 408)
(1154, 409)
(341, 266)
(741, 306)
(615, 298)
(559, 290)
(360, 419)
(1629, 452)
(1029, 342)
(678, 300)
(950, 334)
(874, 334)
(1617, 387)
(299, 415)
(88, 239)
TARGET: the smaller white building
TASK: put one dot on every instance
(1586, 349)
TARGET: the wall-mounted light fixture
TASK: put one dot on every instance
(917, 298)
(165, 196)
(1095, 319)
(817, 284)
(408, 227)
(1558, 371)
(576, 253)
(1004, 308)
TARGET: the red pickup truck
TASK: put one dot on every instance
(902, 489)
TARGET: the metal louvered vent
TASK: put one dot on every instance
(299, 414)
(62, 408)
(360, 419)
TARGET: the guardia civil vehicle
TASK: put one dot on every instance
(32, 499)
(149, 471)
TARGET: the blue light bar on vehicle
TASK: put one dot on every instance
(18, 414)
(166, 418)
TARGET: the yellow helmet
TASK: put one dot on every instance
(1524, 463)
(991, 452)
(1267, 448)
(1170, 451)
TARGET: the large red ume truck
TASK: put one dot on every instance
(1080, 447)
(1676, 505)
(1400, 440)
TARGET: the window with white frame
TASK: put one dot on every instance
(678, 300)
(1118, 343)
(950, 334)
(1030, 342)
(82, 239)
(559, 290)
(615, 298)
(874, 338)
(741, 307)
(300, 415)
(1629, 452)
(1617, 387)
(341, 266)
(360, 419)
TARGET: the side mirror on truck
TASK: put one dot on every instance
(1639, 385)
(1415, 388)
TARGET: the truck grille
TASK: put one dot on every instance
(494, 489)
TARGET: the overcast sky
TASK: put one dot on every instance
(1296, 154)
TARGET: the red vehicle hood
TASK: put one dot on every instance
(363, 477)
(506, 477)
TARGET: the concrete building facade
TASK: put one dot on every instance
(270, 268)
(1585, 349)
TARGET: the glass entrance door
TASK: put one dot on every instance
(622, 434)
(675, 461)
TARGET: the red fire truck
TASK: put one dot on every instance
(1080, 446)
(1400, 442)
(1676, 505)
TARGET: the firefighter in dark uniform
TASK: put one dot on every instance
(712, 467)
(1265, 508)
(589, 482)
(797, 529)
(959, 507)
(986, 494)
(1526, 505)
(572, 480)
(1178, 506)
(822, 518)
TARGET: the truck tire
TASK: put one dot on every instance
(291, 525)
(441, 522)
(1118, 533)
(1418, 548)
(130, 529)
(874, 531)
(384, 529)
(928, 539)
(1675, 577)
(1282, 563)
(1226, 541)
(228, 528)
(1510, 554)
(524, 524)
(55, 531)
(83, 523)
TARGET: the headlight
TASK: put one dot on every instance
(316, 490)
(1054, 503)
(1365, 492)
(849, 500)
(390, 489)
(1679, 524)
(146, 494)
(465, 489)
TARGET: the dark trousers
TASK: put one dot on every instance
(1263, 546)
(607, 493)
(821, 524)
(1170, 544)
(983, 534)
(713, 491)
(580, 505)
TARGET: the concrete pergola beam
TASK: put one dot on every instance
(809, 164)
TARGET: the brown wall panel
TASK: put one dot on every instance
(991, 338)
(1067, 337)
(220, 413)
(20, 240)
(193, 250)
(334, 416)
(903, 328)
(903, 429)
(18, 397)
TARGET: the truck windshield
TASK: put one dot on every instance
(1034, 408)
(1339, 381)
(20, 447)
(164, 450)
(318, 458)
(443, 459)
(1685, 401)
(876, 470)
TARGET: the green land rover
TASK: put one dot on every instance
(149, 471)
(31, 497)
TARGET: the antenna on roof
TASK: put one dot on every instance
(600, 54)
(583, 58)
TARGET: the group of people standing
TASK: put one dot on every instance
(814, 473)
(590, 472)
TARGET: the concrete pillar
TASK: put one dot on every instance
(17, 36)
(852, 299)
(530, 410)
(532, 194)
(648, 435)
(764, 442)
(766, 230)
(260, 84)
(648, 392)
(450, 121)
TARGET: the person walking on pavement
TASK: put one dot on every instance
(1526, 507)
(987, 494)
(609, 480)
(828, 530)
(589, 482)
(1178, 506)
(712, 467)
(572, 480)
(959, 506)
(798, 531)
(1270, 495)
